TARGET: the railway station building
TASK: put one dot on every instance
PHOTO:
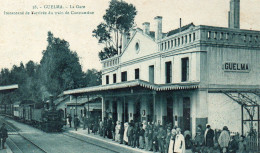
(186, 76)
(79, 106)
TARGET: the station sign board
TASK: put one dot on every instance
(236, 67)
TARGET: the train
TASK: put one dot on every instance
(42, 115)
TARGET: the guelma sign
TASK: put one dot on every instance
(236, 67)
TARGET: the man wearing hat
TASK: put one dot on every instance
(198, 140)
(209, 136)
(3, 135)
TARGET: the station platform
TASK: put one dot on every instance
(7, 150)
(105, 142)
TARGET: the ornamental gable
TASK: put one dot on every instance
(139, 46)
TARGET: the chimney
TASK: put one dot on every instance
(234, 14)
(180, 24)
(146, 28)
(158, 28)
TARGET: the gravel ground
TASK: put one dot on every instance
(56, 142)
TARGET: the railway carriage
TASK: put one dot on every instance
(16, 107)
(6, 109)
(25, 110)
(41, 115)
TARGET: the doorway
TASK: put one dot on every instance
(186, 114)
(137, 116)
(125, 112)
(169, 110)
(150, 117)
(114, 115)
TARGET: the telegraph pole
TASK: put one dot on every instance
(88, 115)
(76, 107)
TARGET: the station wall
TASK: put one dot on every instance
(217, 56)
(223, 111)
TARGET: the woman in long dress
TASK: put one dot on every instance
(117, 134)
(172, 140)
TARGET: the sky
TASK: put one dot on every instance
(24, 37)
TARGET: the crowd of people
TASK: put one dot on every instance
(168, 138)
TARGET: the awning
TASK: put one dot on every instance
(134, 83)
(9, 87)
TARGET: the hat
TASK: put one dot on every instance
(173, 130)
(225, 128)
(178, 130)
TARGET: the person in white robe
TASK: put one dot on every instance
(125, 138)
(172, 141)
(179, 146)
(117, 128)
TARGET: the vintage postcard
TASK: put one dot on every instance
(167, 76)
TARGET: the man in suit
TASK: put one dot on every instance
(209, 136)
(70, 119)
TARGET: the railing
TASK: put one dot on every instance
(178, 40)
(209, 34)
(230, 36)
(114, 61)
(234, 37)
(253, 143)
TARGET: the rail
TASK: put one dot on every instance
(71, 136)
(18, 133)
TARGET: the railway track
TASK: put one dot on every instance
(19, 143)
(82, 140)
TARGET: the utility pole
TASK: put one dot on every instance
(88, 115)
(76, 107)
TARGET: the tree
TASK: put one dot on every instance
(118, 20)
(59, 67)
(25, 78)
(92, 77)
(59, 70)
(5, 77)
(31, 68)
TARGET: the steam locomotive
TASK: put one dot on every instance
(41, 115)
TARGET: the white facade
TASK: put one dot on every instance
(186, 76)
(209, 50)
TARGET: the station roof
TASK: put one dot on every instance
(83, 100)
(172, 32)
(134, 83)
(8, 87)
